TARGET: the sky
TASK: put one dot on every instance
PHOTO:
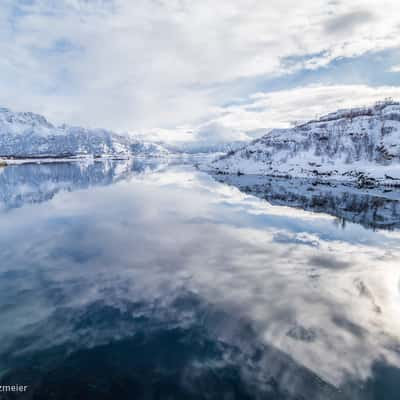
(196, 70)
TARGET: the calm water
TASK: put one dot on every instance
(147, 281)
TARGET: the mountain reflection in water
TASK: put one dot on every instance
(36, 183)
(131, 280)
(377, 208)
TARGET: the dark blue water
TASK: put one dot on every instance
(147, 281)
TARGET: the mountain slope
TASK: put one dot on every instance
(25, 134)
(355, 144)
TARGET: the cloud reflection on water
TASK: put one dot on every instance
(150, 239)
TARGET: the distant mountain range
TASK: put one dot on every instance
(204, 148)
(358, 144)
(28, 135)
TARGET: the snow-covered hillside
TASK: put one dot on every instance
(361, 144)
(24, 134)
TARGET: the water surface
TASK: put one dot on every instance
(147, 281)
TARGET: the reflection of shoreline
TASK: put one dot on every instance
(53, 160)
(34, 182)
(181, 158)
(377, 208)
(69, 159)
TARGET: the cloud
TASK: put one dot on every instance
(327, 262)
(395, 68)
(347, 23)
(257, 114)
(279, 108)
(161, 64)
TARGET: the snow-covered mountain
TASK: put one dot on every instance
(359, 144)
(25, 134)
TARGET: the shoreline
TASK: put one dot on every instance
(356, 178)
(48, 160)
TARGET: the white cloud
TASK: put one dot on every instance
(278, 109)
(155, 63)
(395, 68)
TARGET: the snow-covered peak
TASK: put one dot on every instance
(23, 122)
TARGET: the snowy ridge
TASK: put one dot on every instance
(360, 144)
(27, 135)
